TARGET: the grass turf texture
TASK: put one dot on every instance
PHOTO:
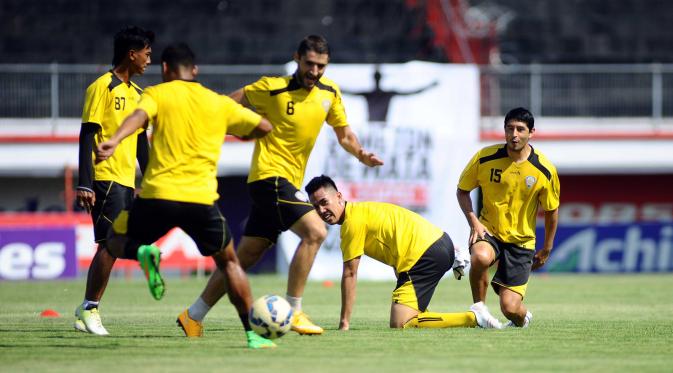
(581, 323)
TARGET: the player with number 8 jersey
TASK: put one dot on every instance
(297, 106)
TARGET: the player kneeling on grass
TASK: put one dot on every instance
(179, 188)
(420, 252)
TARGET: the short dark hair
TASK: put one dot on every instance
(177, 55)
(521, 115)
(130, 38)
(315, 43)
(322, 181)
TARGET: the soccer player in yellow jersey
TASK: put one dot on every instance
(515, 181)
(179, 188)
(107, 187)
(297, 106)
(419, 252)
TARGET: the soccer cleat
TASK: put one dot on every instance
(256, 341)
(191, 327)
(88, 321)
(303, 325)
(484, 318)
(460, 262)
(149, 257)
(526, 321)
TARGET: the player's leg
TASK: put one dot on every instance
(209, 229)
(134, 231)
(259, 235)
(511, 282)
(286, 207)
(511, 304)
(312, 232)
(482, 256)
(401, 315)
(419, 286)
(111, 198)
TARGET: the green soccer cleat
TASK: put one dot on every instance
(255, 341)
(149, 258)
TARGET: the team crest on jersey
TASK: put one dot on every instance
(300, 196)
(530, 181)
(325, 105)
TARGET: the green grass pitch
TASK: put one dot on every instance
(595, 323)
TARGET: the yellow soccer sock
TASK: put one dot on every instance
(447, 320)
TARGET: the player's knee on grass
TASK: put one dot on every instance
(510, 305)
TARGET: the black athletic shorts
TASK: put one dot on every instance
(150, 219)
(111, 199)
(428, 271)
(276, 206)
(514, 265)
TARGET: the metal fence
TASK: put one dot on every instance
(57, 90)
(579, 90)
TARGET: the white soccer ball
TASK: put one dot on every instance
(271, 316)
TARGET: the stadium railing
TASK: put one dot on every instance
(622, 100)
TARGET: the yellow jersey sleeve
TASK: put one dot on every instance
(469, 177)
(94, 103)
(241, 119)
(257, 94)
(148, 104)
(550, 196)
(353, 235)
(336, 117)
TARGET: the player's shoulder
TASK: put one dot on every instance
(492, 152)
(491, 149)
(272, 82)
(327, 84)
(136, 87)
(541, 158)
(105, 81)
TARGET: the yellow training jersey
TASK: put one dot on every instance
(189, 125)
(511, 192)
(108, 101)
(297, 116)
(388, 233)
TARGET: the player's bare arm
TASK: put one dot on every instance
(550, 225)
(86, 197)
(349, 278)
(349, 141)
(239, 96)
(477, 230)
(130, 125)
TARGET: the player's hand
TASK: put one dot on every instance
(344, 325)
(369, 159)
(540, 258)
(478, 232)
(86, 199)
(105, 150)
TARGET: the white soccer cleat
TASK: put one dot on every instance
(484, 318)
(89, 321)
(460, 262)
(526, 321)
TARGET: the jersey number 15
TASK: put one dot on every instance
(495, 175)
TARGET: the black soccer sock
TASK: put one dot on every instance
(245, 321)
